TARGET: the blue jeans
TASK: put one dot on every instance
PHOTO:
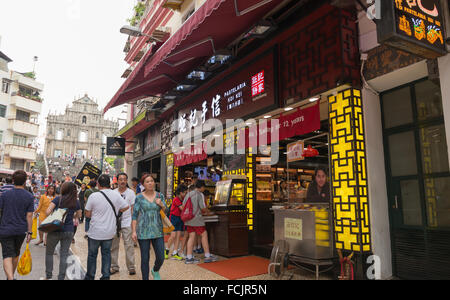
(93, 246)
(158, 247)
(86, 224)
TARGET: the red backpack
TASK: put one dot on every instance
(188, 211)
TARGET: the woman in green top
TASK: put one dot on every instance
(147, 226)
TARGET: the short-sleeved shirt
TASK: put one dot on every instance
(130, 198)
(147, 215)
(68, 224)
(89, 192)
(198, 203)
(175, 210)
(103, 225)
(15, 204)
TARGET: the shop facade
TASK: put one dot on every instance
(375, 136)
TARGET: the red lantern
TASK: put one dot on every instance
(310, 152)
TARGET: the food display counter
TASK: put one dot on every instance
(228, 236)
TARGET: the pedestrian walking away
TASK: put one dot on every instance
(147, 226)
(125, 231)
(16, 218)
(196, 225)
(91, 188)
(175, 219)
(103, 225)
(69, 201)
(8, 186)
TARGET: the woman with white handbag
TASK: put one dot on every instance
(67, 205)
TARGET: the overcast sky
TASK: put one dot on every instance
(78, 43)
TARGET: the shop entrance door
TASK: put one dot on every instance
(418, 180)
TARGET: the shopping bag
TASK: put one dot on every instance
(167, 225)
(55, 221)
(34, 229)
(25, 262)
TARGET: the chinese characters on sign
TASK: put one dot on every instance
(232, 98)
(293, 229)
(418, 26)
(295, 151)
(258, 84)
(425, 23)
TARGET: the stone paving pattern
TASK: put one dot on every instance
(171, 269)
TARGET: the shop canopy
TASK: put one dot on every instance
(215, 25)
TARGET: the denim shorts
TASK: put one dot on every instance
(11, 245)
(177, 223)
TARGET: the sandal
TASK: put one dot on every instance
(38, 243)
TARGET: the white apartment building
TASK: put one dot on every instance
(20, 106)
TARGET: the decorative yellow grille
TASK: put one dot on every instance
(348, 172)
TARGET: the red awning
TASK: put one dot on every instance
(213, 26)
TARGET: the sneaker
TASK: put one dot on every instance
(156, 275)
(200, 251)
(176, 257)
(183, 256)
(190, 261)
(113, 271)
(166, 254)
(132, 272)
(210, 259)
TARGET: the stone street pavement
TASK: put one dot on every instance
(171, 270)
(38, 267)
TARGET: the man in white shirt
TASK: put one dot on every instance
(103, 226)
(129, 196)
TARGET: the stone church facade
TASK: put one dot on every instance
(81, 130)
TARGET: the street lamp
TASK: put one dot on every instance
(136, 32)
(101, 162)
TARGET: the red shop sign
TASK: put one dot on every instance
(300, 122)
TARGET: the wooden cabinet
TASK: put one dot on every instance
(229, 236)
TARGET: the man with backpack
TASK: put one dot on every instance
(104, 208)
(193, 210)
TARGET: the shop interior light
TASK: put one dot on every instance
(288, 109)
(170, 97)
(314, 99)
(185, 87)
(267, 117)
(198, 75)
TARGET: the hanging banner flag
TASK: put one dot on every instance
(87, 173)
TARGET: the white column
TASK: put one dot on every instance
(444, 74)
(378, 200)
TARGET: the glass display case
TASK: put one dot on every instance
(229, 236)
(230, 193)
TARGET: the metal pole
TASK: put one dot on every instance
(101, 162)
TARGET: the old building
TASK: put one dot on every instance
(81, 130)
(20, 106)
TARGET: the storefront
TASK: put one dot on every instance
(150, 160)
(305, 82)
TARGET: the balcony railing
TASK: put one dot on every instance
(20, 152)
(24, 103)
(23, 127)
(29, 96)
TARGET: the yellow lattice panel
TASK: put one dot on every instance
(349, 172)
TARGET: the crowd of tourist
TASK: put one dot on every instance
(111, 211)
